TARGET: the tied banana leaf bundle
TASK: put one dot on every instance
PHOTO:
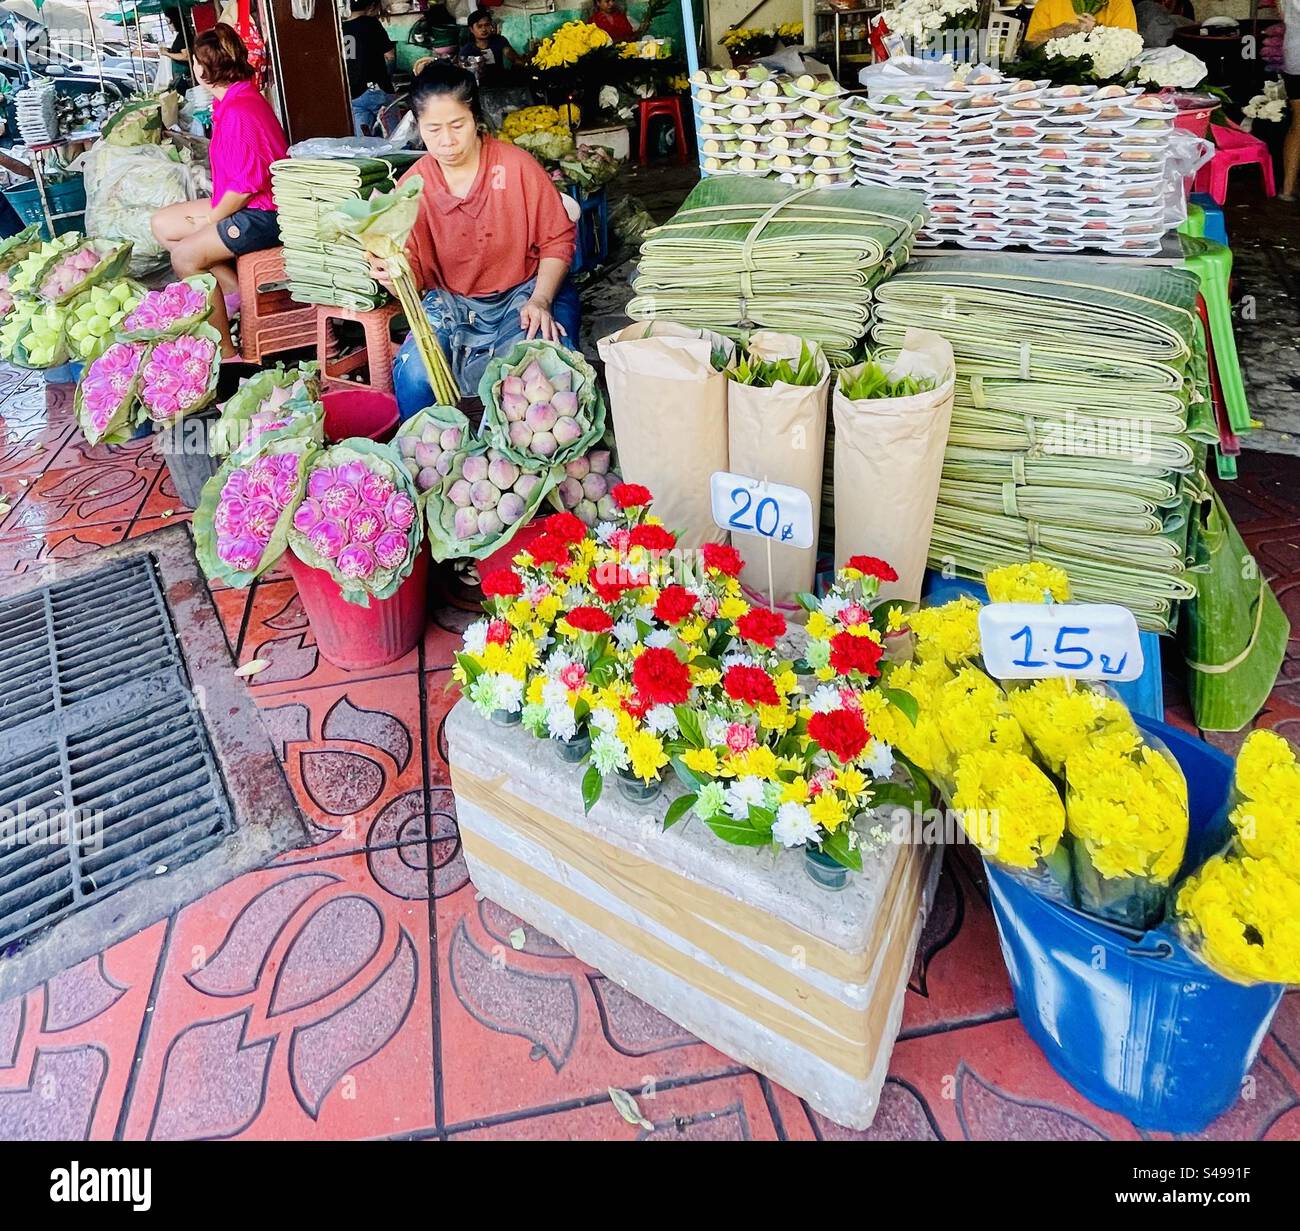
(382, 224)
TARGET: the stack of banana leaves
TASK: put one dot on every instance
(1079, 435)
(305, 189)
(744, 254)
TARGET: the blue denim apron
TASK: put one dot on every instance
(470, 331)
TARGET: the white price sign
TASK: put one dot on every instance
(772, 511)
(1030, 641)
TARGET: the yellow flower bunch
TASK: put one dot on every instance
(1030, 582)
(973, 715)
(569, 44)
(1008, 807)
(531, 120)
(1060, 718)
(1267, 819)
(1244, 917)
(1129, 809)
(921, 742)
(742, 35)
(790, 32)
(950, 632)
(679, 84)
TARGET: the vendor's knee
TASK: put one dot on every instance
(184, 262)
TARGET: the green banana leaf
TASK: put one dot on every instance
(381, 223)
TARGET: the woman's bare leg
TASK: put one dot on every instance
(1291, 152)
(206, 252)
(174, 223)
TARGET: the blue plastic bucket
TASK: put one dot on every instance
(66, 197)
(1133, 1021)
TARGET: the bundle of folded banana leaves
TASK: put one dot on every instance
(306, 189)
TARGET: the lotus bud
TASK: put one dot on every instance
(541, 416)
(578, 469)
(494, 455)
(594, 486)
(450, 438)
(607, 509)
(587, 513)
(565, 403)
(533, 372)
(413, 468)
(566, 430)
(476, 467)
(521, 435)
(503, 472)
(612, 480)
(539, 390)
(514, 406)
(426, 454)
(466, 523)
(512, 386)
(570, 493)
(489, 522)
(427, 478)
(526, 484)
(544, 444)
(459, 494)
(407, 445)
(600, 460)
(510, 508)
(430, 433)
(444, 463)
(563, 381)
(484, 495)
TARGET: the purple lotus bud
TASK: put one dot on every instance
(585, 512)
(563, 381)
(365, 526)
(450, 438)
(607, 509)
(565, 403)
(407, 445)
(356, 562)
(228, 517)
(391, 549)
(400, 511)
(510, 508)
(526, 484)
(566, 430)
(353, 474)
(242, 554)
(444, 463)
(600, 460)
(503, 472)
(570, 492)
(427, 479)
(541, 416)
(521, 435)
(594, 486)
(307, 517)
(513, 386)
(426, 455)
(484, 495)
(327, 539)
(340, 500)
(578, 469)
(466, 524)
(475, 468)
(459, 494)
(544, 444)
(514, 406)
(489, 522)
(376, 490)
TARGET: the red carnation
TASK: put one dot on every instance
(589, 620)
(661, 678)
(549, 550)
(761, 626)
(870, 566)
(850, 653)
(630, 495)
(842, 733)
(723, 558)
(565, 527)
(652, 538)
(502, 583)
(499, 633)
(752, 685)
(675, 604)
(610, 586)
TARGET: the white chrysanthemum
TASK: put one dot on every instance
(557, 662)
(604, 530)
(877, 759)
(660, 639)
(608, 97)
(743, 794)
(554, 694)
(625, 633)
(738, 658)
(832, 605)
(715, 731)
(793, 825)
(661, 720)
(824, 700)
(575, 596)
(476, 637)
(604, 720)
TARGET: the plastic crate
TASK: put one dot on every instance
(66, 197)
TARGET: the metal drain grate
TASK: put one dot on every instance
(99, 734)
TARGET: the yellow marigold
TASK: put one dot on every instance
(1008, 807)
(1030, 582)
(732, 608)
(829, 811)
(646, 751)
(701, 761)
(949, 633)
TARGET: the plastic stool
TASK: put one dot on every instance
(1144, 696)
(592, 244)
(1215, 228)
(670, 108)
(1233, 148)
(377, 355)
(1212, 264)
(270, 319)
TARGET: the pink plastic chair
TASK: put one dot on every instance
(1233, 148)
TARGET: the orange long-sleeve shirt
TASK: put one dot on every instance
(495, 237)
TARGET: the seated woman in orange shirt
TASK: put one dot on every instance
(1057, 18)
(492, 243)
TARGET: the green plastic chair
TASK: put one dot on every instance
(1194, 226)
(1212, 264)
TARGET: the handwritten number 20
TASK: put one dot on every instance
(765, 507)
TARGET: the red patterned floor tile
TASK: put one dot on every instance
(901, 1115)
(99, 494)
(294, 1003)
(529, 1028)
(724, 1109)
(163, 498)
(41, 553)
(28, 447)
(66, 1048)
(78, 453)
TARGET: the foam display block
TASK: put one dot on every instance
(742, 949)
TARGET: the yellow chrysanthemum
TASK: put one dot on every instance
(1030, 582)
(757, 762)
(647, 754)
(705, 677)
(1061, 718)
(829, 811)
(775, 718)
(896, 620)
(795, 792)
(819, 628)
(520, 613)
(732, 608)
(701, 761)
(852, 782)
(949, 633)
(1009, 808)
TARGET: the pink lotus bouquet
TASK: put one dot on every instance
(267, 402)
(81, 267)
(178, 308)
(180, 375)
(106, 394)
(358, 519)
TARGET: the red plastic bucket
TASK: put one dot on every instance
(359, 412)
(354, 637)
(502, 557)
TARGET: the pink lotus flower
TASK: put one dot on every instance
(365, 526)
(283, 487)
(308, 516)
(353, 474)
(228, 518)
(236, 484)
(391, 549)
(327, 539)
(108, 380)
(319, 482)
(176, 375)
(242, 554)
(259, 520)
(356, 562)
(376, 490)
(340, 501)
(160, 310)
(400, 511)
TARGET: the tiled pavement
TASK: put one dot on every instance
(358, 988)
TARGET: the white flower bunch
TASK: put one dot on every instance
(1269, 106)
(1169, 68)
(1110, 49)
(915, 19)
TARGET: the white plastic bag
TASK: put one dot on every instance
(904, 75)
(1187, 155)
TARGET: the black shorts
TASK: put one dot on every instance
(1292, 83)
(250, 230)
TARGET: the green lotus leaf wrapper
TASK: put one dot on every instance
(296, 438)
(29, 271)
(184, 324)
(440, 514)
(441, 417)
(19, 247)
(18, 351)
(114, 261)
(214, 373)
(121, 425)
(231, 430)
(552, 359)
(384, 460)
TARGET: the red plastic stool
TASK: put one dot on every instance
(377, 357)
(270, 319)
(1233, 148)
(669, 107)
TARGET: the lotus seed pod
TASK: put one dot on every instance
(514, 406)
(565, 403)
(489, 522)
(526, 484)
(444, 463)
(459, 494)
(475, 468)
(484, 494)
(566, 430)
(503, 472)
(510, 508)
(570, 492)
(544, 444)
(600, 461)
(594, 486)
(521, 435)
(466, 523)
(427, 478)
(578, 469)
(607, 509)
(541, 416)
(450, 438)
(512, 386)
(586, 512)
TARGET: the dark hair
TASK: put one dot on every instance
(442, 79)
(477, 15)
(223, 56)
